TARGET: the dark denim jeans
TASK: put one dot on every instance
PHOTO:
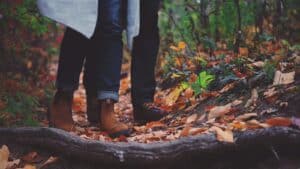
(103, 55)
(145, 49)
(144, 54)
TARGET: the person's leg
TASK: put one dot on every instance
(108, 46)
(72, 55)
(70, 65)
(89, 82)
(144, 55)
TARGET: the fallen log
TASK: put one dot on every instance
(154, 155)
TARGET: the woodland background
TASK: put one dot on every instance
(28, 42)
(230, 68)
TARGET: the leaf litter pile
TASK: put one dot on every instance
(219, 95)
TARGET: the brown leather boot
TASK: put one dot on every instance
(60, 115)
(109, 121)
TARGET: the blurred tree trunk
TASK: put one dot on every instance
(260, 11)
(204, 20)
(217, 14)
(239, 27)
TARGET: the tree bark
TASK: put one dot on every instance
(131, 155)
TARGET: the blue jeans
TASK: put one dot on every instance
(102, 55)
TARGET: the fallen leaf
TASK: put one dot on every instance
(181, 45)
(253, 99)
(219, 111)
(189, 92)
(173, 96)
(223, 136)
(186, 131)
(279, 121)
(237, 125)
(50, 160)
(243, 51)
(140, 128)
(254, 124)
(191, 118)
(174, 48)
(28, 166)
(30, 157)
(258, 64)
(284, 78)
(155, 124)
(196, 131)
(4, 154)
(246, 116)
(13, 164)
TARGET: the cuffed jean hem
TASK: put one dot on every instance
(65, 87)
(103, 95)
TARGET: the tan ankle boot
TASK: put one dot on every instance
(109, 121)
(60, 115)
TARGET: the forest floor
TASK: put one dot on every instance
(245, 99)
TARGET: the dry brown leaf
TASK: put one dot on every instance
(238, 125)
(219, 111)
(13, 164)
(279, 121)
(284, 78)
(4, 154)
(189, 92)
(258, 64)
(28, 166)
(227, 87)
(50, 160)
(254, 124)
(30, 157)
(246, 116)
(173, 96)
(224, 136)
(243, 51)
(155, 124)
(186, 131)
(196, 131)
(253, 99)
(191, 118)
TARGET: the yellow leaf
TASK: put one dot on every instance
(181, 45)
(174, 76)
(173, 96)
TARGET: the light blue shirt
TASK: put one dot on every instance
(81, 15)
